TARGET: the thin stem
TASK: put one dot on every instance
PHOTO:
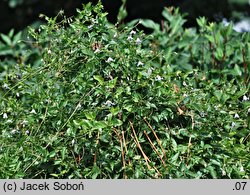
(125, 146)
(139, 146)
(123, 158)
(152, 145)
(158, 140)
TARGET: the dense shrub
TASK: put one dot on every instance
(108, 101)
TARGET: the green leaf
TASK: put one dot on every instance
(219, 53)
(151, 105)
(122, 14)
(116, 122)
(175, 157)
(216, 162)
(174, 144)
(11, 33)
(177, 25)
(54, 175)
(95, 171)
(90, 115)
(86, 124)
(105, 138)
(155, 118)
(237, 70)
(6, 51)
(63, 152)
(136, 97)
(115, 110)
(112, 83)
(52, 154)
(210, 38)
(150, 24)
(6, 39)
(118, 92)
(218, 94)
(99, 124)
(99, 79)
(212, 172)
(72, 131)
(201, 22)
(128, 107)
(229, 29)
(17, 38)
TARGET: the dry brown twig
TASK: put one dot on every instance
(125, 146)
(158, 140)
(190, 138)
(123, 158)
(152, 145)
(139, 146)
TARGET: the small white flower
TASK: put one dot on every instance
(241, 169)
(140, 63)
(17, 94)
(97, 51)
(233, 125)
(248, 111)
(109, 103)
(79, 105)
(33, 111)
(158, 78)
(61, 12)
(9, 121)
(130, 38)
(27, 132)
(14, 131)
(242, 26)
(110, 60)
(24, 122)
(115, 35)
(90, 26)
(202, 114)
(5, 86)
(49, 51)
(138, 41)
(225, 22)
(150, 71)
(184, 83)
(245, 98)
(223, 172)
(39, 30)
(5, 115)
(73, 142)
(138, 51)
(132, 32)
(236, 116)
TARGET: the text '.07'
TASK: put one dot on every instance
(240, 186)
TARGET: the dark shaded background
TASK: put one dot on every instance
(28, 11)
